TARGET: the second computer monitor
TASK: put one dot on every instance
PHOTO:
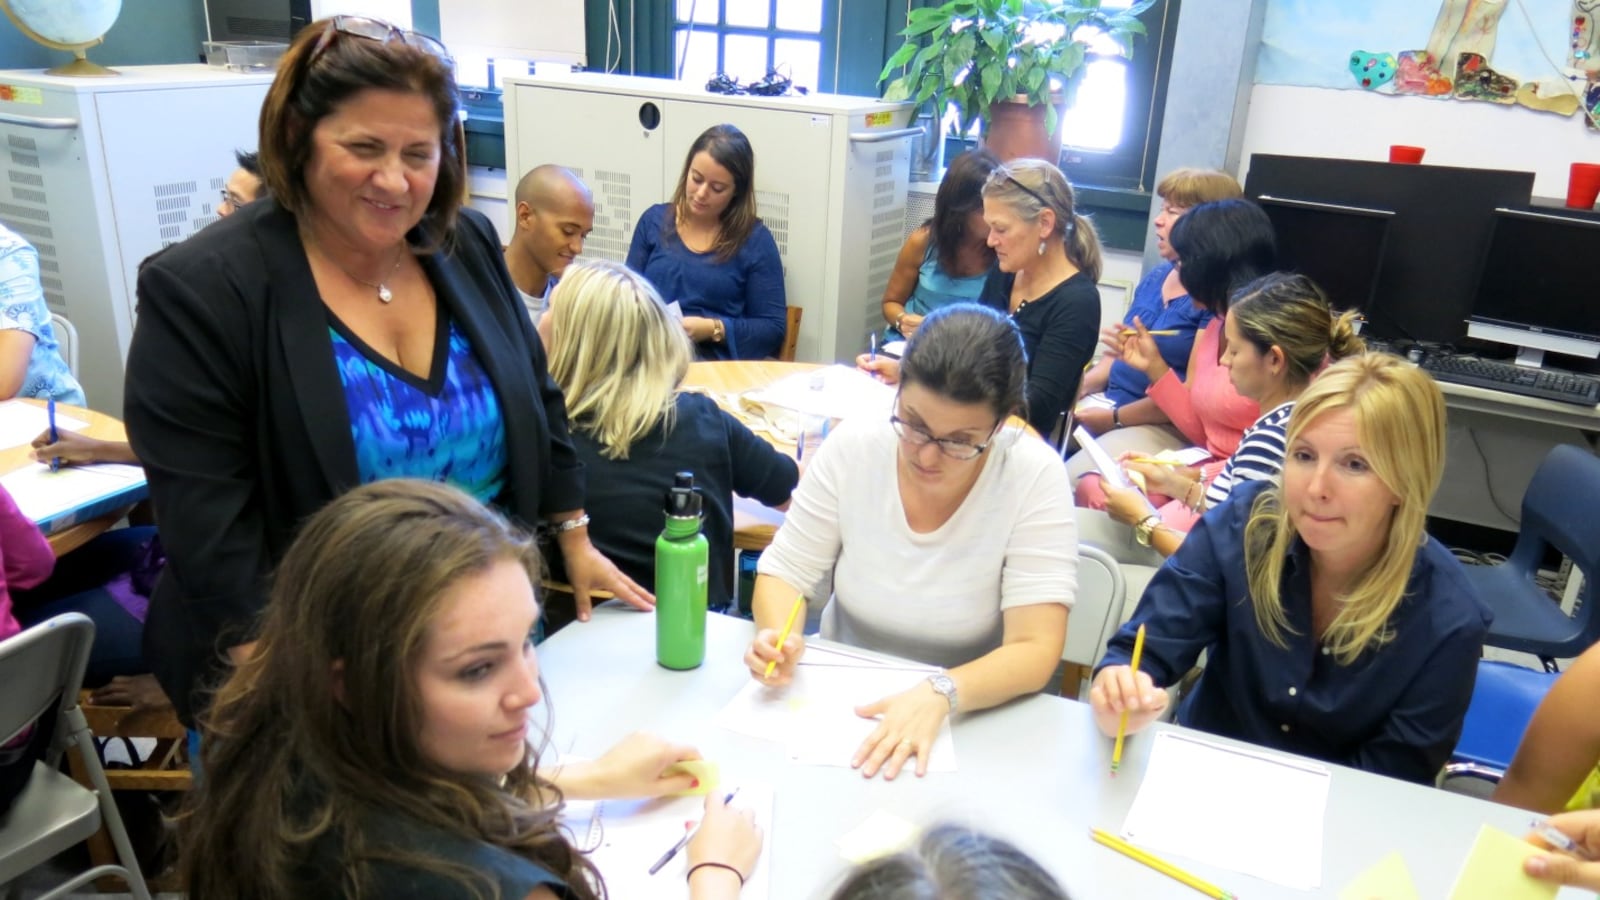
(1338, 247)
(1536, 287)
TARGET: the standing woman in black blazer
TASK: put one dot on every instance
(359, 325)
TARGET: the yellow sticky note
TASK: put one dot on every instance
(1388, 880)
(1493, 870)
(703, 769)
(880, 835)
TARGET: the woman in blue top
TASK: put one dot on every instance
(30, 356)
(1334, 626)
(709, 252)
(948, 257)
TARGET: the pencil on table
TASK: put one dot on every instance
(1122, 726)
(1160, 865)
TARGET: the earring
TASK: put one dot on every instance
(1041, 246)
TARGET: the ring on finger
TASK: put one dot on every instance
(906, 744)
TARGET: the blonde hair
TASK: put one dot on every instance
(1399, 416)
(1029, 187)
(1291, 313)
(1190, 187)
(616, 353)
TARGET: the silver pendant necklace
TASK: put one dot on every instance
(384, 294)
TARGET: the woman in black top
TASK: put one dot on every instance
(620, 360)
(376, 742)
(1048, 260)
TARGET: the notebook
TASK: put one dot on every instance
(56, 501)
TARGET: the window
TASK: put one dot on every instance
(745, 39)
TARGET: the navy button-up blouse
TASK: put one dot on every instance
(1397, 710)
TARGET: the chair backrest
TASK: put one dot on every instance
(1097, 611)
(1558, 510)
(791, 334)
(42, 669)
(67, 338)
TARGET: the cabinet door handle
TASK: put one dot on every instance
(878, 137)
(57, 124)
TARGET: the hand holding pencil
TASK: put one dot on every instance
(774, 653)
(1140, 351)
(1121, 689)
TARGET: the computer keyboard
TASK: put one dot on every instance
(1545, 384)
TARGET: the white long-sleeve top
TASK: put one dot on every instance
(934, 597)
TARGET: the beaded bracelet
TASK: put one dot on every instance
(1195, 506)
(716, 865)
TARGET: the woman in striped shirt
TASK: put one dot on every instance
(1279, 333)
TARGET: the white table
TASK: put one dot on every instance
(1034, 771)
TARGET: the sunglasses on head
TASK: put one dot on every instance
(380, 31)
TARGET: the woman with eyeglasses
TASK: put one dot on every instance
(946, 534)
(358, 325)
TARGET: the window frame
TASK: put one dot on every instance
(827, 38)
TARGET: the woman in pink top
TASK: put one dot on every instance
(25, 558)
(1220, 245)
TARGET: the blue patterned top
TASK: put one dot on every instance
(447, 427)
(22, 308)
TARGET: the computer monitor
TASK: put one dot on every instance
(1536, 287)
(1339, 247)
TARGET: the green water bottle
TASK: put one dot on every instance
(681, 562)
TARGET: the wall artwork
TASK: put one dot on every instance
(1476, 50)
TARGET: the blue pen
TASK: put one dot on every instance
(688, 832)
(50, 408)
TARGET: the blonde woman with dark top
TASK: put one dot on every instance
(620, 359)
(1334, 626)
(1280, 333)
(376, 743)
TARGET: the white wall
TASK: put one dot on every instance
(1301, 121)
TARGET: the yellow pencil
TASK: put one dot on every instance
(1164, 332)
(1153, 461)
(1160, 865)
(1122, 726)
(794, 613)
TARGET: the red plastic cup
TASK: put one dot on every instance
(1583, 186)
(1404, 153)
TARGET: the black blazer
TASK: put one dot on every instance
(233, 403)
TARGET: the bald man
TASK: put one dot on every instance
(555, 212)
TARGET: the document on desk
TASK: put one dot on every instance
(45, 497)
(21, 422)
(814, 715)
(1254, 812)
(835, 392)
(624, 838)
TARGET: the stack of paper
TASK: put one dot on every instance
(1209, 802)
(836, 392)
(21, 422)
(814, 715)
(58, 500)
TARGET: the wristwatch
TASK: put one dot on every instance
(897, 320)
(718, 331)
(944, 685)
(1147, 526)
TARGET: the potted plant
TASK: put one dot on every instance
(1014, 64)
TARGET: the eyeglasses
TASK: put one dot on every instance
(1030, 192)
(380, 31)
(912, 436)
(232, 199)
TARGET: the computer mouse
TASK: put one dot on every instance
(1415, 353)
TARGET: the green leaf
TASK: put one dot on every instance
(1034, 80)
(900, 58)
(898, 90)
(1051, 120)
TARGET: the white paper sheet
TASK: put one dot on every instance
(837, 392)
(1109, 470)
(814, 716)
(41, 493)
(1257, 813)
(21, 422)
(624, 838)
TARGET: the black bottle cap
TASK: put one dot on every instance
(683, 501)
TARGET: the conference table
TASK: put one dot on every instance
(101, 426)
(1034, 771)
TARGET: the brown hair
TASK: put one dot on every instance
(960, 195)
(730, 149)
(1029, 186)
(290, 764)
(1190, 187)
(1291, 313)
(312, 83)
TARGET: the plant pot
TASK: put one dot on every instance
(1016, 130)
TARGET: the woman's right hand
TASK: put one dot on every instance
(1111, 339)
(1583, 827)
(73, 448)
(764, 649)
(728, 835)
(908, 325)
(883, 368)
(1140, 351)
(1117, 689)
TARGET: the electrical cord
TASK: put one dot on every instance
(1488, 478)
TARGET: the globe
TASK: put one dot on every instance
(66, 25)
